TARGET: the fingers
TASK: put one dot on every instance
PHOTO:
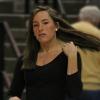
(71, 44)
(69, 48)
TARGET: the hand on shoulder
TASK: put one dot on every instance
(69, 49)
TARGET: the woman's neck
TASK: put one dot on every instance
(46, 47)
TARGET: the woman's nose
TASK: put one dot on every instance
(40, 27)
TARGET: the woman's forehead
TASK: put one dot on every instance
(42, 15)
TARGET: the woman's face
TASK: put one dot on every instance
(44, 27)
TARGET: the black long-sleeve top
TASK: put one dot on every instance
(47, 82)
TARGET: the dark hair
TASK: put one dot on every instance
(33, 46)
(65, 33)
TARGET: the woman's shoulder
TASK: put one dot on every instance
(19, 62)
(62, 42)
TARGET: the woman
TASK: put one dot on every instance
(51, 64)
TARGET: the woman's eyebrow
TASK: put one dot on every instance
(43, 20)
(34, 21)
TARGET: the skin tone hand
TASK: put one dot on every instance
(14, 98)
(71, 51)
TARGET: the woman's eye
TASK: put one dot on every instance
(45, 22)
(35, 25)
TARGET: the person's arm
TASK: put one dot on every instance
(74, 83)
(18, 82)
(73, 77)
(70, 51)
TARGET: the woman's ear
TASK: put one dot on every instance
(57, 26)
(56, 29)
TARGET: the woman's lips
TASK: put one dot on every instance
(42, 35)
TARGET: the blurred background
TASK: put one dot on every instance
(14, 16)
